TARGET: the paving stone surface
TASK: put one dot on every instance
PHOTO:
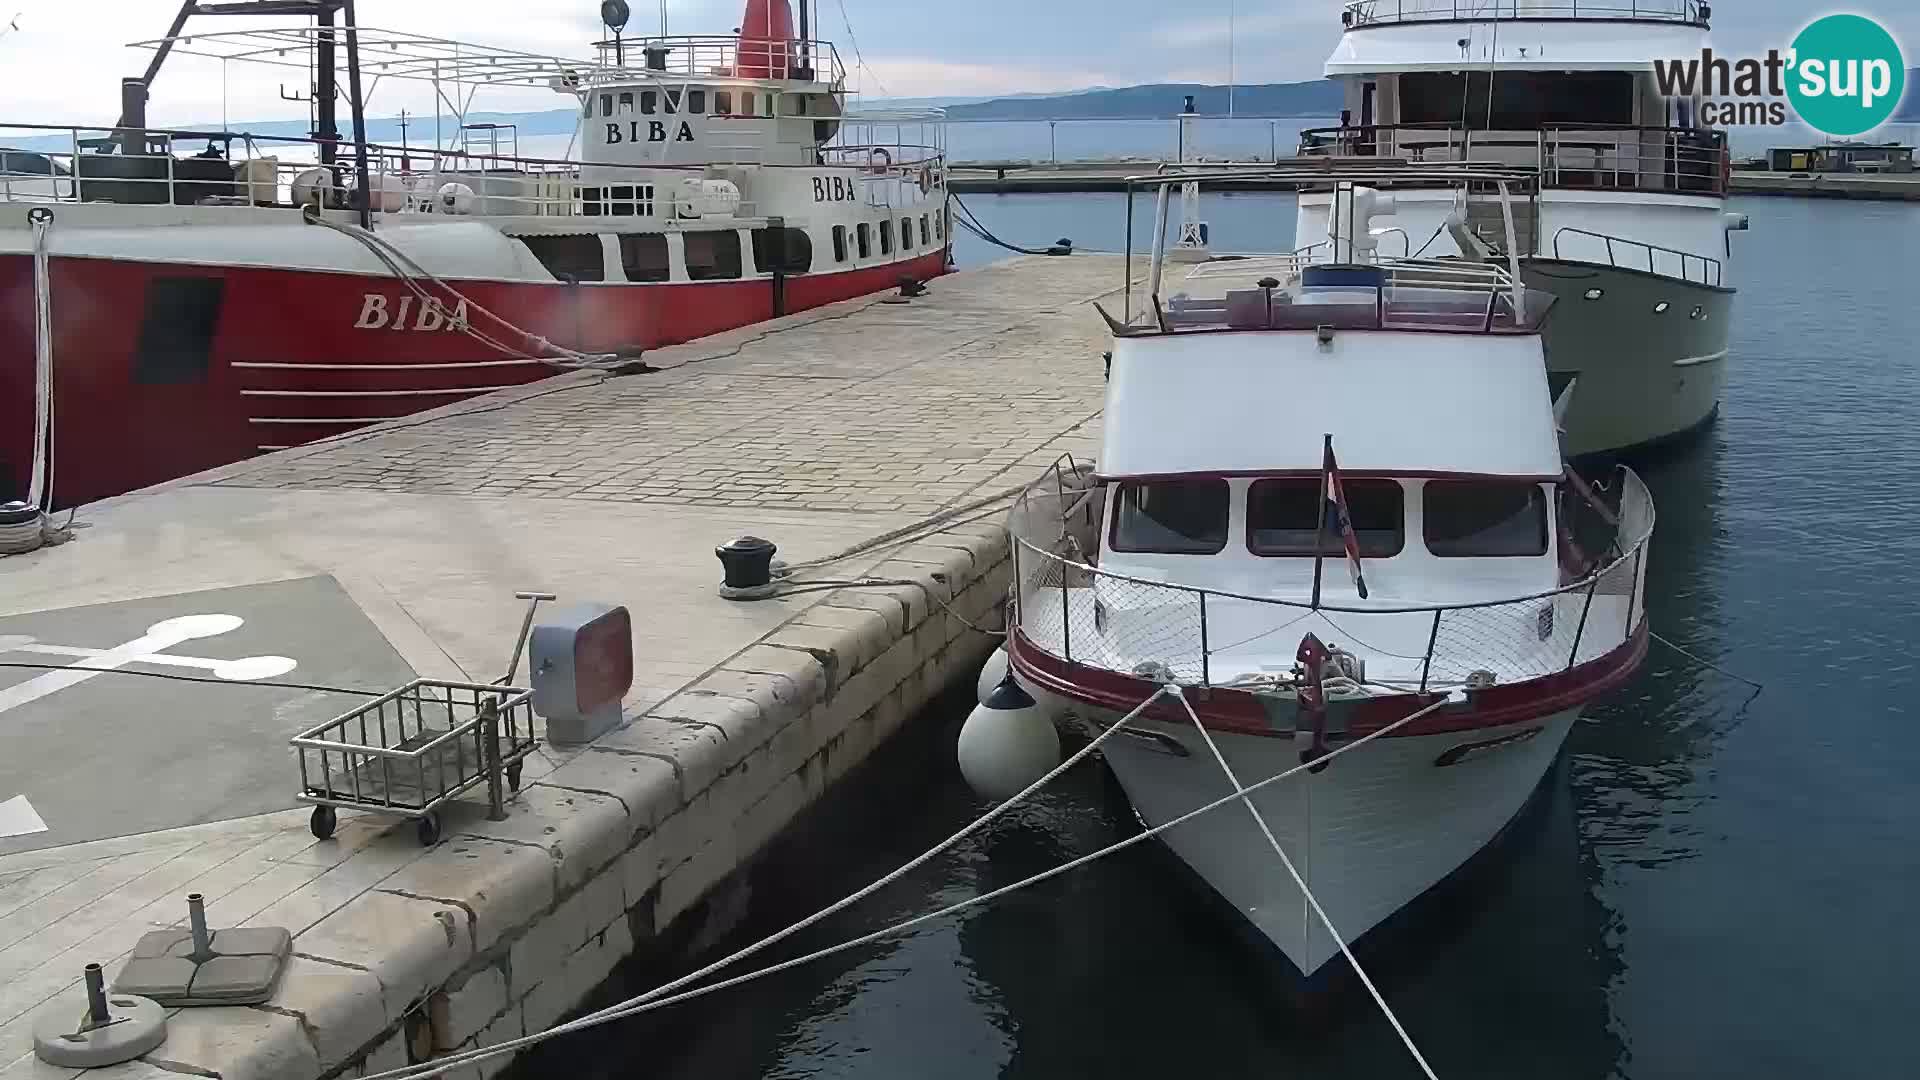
(822, 430)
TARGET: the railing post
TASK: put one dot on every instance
(1581, 630)
(1426, 665)
(1206, 669)
(1633, 588)
(1066, 613)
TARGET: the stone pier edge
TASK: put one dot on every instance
(626, 848)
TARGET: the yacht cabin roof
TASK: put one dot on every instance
(1394, 402)
(1517, 45)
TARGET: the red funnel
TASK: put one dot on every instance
(766, 37)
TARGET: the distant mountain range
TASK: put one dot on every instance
(1320, 97)
(1317, 98)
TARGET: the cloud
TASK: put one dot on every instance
(1219, 29)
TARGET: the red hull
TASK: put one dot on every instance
(283, 357)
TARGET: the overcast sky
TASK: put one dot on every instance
(66, 58)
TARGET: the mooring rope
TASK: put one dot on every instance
(409, 272)
(40, 483)
(1312, 900)
(658, 998)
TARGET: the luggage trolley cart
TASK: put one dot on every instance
(410, 751)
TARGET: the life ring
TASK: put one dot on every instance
(879, 159)
(926, 179)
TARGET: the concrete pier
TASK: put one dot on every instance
(394, 552)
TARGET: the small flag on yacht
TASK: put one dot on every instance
(1339, 517)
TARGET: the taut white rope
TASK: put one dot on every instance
(655, 1000)
(658, 996)
(1260, 820)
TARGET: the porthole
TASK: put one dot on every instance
(1661, 308)
(1699, 312)
(1595, 294)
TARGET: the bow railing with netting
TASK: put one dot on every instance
(1070, 608)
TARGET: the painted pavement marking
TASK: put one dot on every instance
(146, 649)
(17, 818)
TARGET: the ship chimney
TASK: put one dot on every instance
(766, 38)
(133, 116)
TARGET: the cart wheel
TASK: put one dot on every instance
(429, 830)
(513, 776)
(323, 822)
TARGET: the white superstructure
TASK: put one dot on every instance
(1629, 226)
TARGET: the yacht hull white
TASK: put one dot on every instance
(1649, 351)
(1371, 833)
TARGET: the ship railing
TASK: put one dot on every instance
(1584, 157)
(716, 56)
(1637, 255)
(1408, 294)
(53, 164)
(1363, 13)
(1067, 606)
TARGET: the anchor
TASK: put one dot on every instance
(149, 648)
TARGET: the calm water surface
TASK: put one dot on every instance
(1700, 891)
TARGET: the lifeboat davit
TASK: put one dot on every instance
(766, 40)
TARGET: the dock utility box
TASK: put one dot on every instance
(582, 659)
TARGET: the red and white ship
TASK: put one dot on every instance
(1331, 504)
(200, 308)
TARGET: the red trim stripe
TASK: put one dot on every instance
(1239, 712)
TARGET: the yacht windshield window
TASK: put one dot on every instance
(1172, 517)
(1469, 518)
(1283, 517)
(1522, 100)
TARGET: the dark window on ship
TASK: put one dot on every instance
(569, 258)
(1468, 518)
(839, 243)
(696, 101)
(1521, 101)
(649, 102)
(861, 241)
(1283, 517)
(671, 98)
(1171, 517)
(712, 255)
(176, 330)
(886, 237)
(795, 257)
(644, 256)
(626, 103)
(939, 224)
(606, 104)
(925, 236)
(723, 102)
(906, 233)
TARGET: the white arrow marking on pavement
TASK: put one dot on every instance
(18, 819)
(145, 649)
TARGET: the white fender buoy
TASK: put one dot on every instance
(992, 674)
(455, 198)
(1007, 743)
